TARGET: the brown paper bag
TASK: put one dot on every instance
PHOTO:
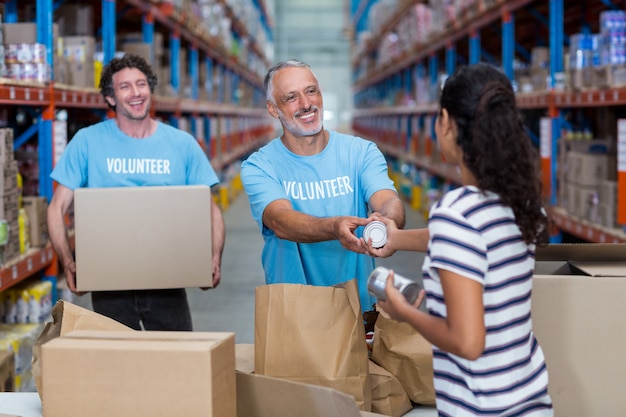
(313, 335)
(402, 351)
(65, 318)
(388, 395)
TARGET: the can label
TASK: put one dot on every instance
(378, 279)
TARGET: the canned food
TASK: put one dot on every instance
(377, 232)
(378, 279)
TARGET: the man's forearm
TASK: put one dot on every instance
(60, 239)
(218, 232)
(394, 209)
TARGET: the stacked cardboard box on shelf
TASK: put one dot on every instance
(36, 210)
(539, 68)
(79, 52)
(587, 180)
(9, 196)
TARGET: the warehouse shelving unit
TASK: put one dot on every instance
(226, 128)
(405, 130)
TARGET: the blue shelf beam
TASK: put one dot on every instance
(109, 25)
(508, 43)
(44, 28)
(408, 81)
(450, 58)
(175, 60)
(25, 136)
(433, 69)
(193, 71)
(474, 47)
(556, 38)
(147, 30)
(359, 11)
(208, 65)
(10, 11)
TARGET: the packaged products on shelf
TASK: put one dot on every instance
(27, 303)
(19, 339)
(7, 371)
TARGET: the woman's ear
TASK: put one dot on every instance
(444, 120)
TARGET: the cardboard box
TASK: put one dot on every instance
(75, 19)
(607, 215)
(581, 78)
(579, 314)
(134, 238)
(8, 178)
(7, 371)
(539, 78)
(139, 374)
(588, 169)
(141, 49)
(79, 51)
(609, 76)
(540, 57)
(6, 145)
(23, 32)
(264, 396)
(36, 209)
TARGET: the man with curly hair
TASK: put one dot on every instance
(127, 85)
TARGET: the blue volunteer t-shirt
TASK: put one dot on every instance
(338, 181)
(102, 155)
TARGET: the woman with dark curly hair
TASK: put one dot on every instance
(480, 245)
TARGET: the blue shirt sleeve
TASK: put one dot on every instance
(71, 170)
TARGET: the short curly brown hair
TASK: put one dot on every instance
(118, 64)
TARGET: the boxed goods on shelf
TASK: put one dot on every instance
(609, 76)
(75, 19)
(79, 51)
(607, 203)
(20, 33)
(36, 210)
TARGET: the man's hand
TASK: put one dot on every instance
(69, 269)
(344, 230)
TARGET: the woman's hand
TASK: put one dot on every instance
(396, 305)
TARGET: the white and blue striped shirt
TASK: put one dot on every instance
(473, 234)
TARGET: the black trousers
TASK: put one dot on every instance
(148, 309)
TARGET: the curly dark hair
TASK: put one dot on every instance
(496, 147)
(118, 64)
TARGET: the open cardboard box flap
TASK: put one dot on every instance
(591, 259)
(264, 396)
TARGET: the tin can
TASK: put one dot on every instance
(378, 279)
(377, 231)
